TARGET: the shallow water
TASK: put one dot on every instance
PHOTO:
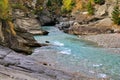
(80, 55)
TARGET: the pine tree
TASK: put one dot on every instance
(90, 8)
(116, 14)
(67, 5)
(49, 3)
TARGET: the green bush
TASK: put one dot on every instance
(90, 8)
(67, 5)
(19, 6)
(99, 1)
(116, 15)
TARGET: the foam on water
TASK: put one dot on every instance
(66, 51)
(97, 65)
(101, 75)
(57, 43)
(92, 72)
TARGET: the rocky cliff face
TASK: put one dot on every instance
(15, 31)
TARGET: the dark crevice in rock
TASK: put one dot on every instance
(7, 54)
(52, 23)
(20, 68)
(31, 70)
(5, 74)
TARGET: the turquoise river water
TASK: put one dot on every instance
(94, 60)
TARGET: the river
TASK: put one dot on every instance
(82, 56)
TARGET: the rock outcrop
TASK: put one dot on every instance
(20, 41)
(38, 66)
(29, 23)
(78, 29)
(46, 18)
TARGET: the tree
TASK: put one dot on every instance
(90, 8)
(5, 14)
(4, 9)
(116, 14)
(7, 27)
(67, 5)
(49, 3)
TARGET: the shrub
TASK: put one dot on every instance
(99, 1)
(90, 8)
(19, 6)
(4, 9)
(116, 15)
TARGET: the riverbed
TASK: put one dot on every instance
(74, 54)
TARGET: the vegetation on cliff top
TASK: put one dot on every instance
(116, 14)
(5, 14)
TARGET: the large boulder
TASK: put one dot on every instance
(101, 10)
(31, 25)
(64, 25)
(89, 29)
(28, 23)
(78, 29)
(105, 23)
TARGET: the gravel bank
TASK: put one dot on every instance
(105, 40)
(110, 42)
